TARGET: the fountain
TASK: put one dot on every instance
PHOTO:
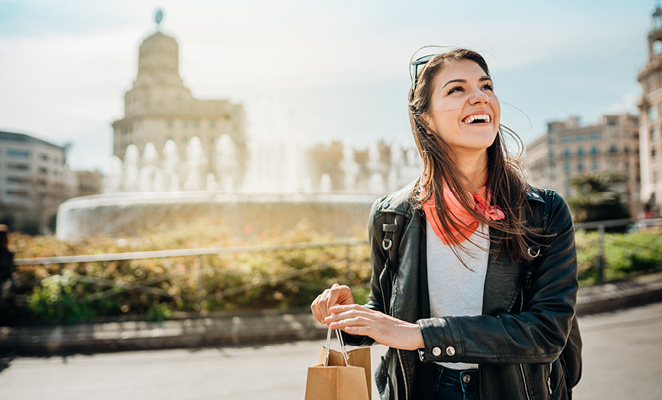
(159, 188)
(178, 158)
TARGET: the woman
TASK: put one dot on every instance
(477, 298)
(6, 263)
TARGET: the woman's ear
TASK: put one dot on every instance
(426, 118)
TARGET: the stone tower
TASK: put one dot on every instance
(162, 118)
(650, 125)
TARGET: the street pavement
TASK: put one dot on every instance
(622, 360)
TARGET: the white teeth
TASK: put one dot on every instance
(472, 118)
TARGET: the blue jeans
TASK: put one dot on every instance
(450, 384)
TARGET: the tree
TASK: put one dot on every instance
(597, 198)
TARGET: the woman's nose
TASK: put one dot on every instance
(478, 96)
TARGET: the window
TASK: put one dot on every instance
(566, 166)
(612, 122)
(566, 153)
(43, 157)
(567, 139)
(580, 138)
(580, 166)
(594, 150)
(653, 134)
(18, 167)
(16, 153)
(651, 114)
(43, 170)
(580, 151)
(594, 165)
(596, 136)
(653, 153)
(15, 179)
(613, 149)
(18, 193)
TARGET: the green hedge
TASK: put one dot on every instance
(626, 255)
(182, 284)
(194, 284)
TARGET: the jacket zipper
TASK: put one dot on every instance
(549, 379)
(404, 376)
(526, 387)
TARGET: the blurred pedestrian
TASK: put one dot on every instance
(7, 266)
(474, 272)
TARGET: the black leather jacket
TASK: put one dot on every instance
(519, 336)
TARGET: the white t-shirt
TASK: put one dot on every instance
(454, 289)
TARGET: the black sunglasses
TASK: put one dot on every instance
(415, 65)
(418, 63)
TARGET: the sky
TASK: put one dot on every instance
(340, 66)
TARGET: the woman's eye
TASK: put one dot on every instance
(456, 89)
(488, 86)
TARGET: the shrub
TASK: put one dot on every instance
(227, 282)
(626, 255)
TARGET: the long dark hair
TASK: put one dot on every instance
(505, 181)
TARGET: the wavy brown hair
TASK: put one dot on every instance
(505, 180)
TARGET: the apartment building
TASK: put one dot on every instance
(570, 149)
(34, 180)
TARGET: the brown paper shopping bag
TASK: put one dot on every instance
(336, 378)
(357, 358)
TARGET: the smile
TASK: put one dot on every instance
(477, 119)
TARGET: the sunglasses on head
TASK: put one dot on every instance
(417, 64)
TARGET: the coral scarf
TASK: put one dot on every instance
(467, 223)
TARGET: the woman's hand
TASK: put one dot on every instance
(384, 329)
(330, 297)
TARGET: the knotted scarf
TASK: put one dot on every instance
(466, 223)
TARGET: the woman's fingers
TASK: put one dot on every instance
(351, 315)
(384, 329)
(315, 308)
(337, 294)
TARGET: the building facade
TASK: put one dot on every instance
(34, 180)
(89, 183)
(164, 124)
(570, 149)
(650, 130)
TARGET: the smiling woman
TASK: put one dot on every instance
(474, 274)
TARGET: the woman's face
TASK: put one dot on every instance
(464, 111)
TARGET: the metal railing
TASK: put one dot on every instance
(145, 286)
(116, 287)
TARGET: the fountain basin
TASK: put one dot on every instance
(129, 214)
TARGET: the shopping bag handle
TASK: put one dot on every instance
(343, 351)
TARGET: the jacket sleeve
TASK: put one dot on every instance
(539, 332)
(378, 258)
